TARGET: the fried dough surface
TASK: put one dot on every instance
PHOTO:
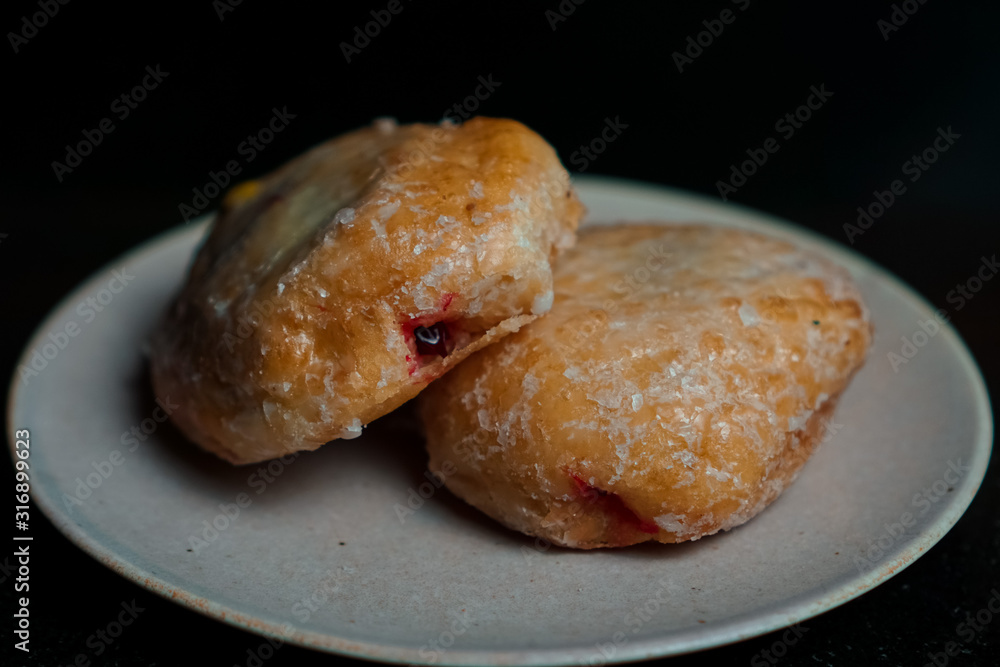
(334, 289)
(681, 380)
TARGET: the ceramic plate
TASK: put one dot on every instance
(352, 550)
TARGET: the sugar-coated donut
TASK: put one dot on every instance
(682, 378)
(334, 289)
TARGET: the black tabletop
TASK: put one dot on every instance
(120, 116)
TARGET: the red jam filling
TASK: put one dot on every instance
(612, 504)
(432, 339)
(431, 336)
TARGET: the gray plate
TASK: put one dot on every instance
(324, 556)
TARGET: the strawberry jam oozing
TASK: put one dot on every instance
(432, 339)
(431, 336)
(611, 504)
(428, 340)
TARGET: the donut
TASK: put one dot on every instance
(682, 378)
(336, 288)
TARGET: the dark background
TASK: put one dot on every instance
(605, 60)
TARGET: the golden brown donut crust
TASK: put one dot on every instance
(296, 325)
(681, 380)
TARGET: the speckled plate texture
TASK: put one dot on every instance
(353, 549)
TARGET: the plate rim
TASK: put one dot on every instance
(781, 614)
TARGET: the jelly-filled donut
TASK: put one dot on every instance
(681, 380)
(334, 289)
